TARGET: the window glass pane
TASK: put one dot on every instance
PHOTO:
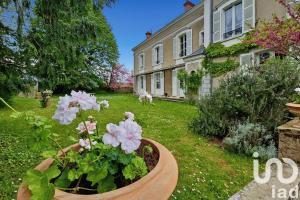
(157, 77)
(238, 16)
(228, 20)
(142, 82)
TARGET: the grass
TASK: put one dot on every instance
(205, 170)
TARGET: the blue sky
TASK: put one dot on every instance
(131, 19)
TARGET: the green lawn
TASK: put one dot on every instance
(206, 170)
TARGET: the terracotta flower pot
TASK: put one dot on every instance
(159, 184)
(294, 108)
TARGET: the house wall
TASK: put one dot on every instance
(148, 83)
(194, 20)
(168, 82)
(265, 9)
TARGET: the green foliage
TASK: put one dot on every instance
(216, 50)
(248, 138)
(137, 168)
(190, 82)
(72, 43)
(257, 94)
(39, 183)
(106, 184)
(219, 68)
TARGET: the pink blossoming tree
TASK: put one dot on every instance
(280, 34)
(119, 75)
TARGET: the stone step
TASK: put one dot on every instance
(273, 190)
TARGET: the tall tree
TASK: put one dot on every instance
(72, 44)
(13, 66)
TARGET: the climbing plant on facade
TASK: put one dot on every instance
(190, 83)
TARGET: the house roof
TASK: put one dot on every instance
(170, 24)
(198, 52)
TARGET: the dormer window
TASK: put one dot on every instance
(183, 45)
(233, 21)
(157, 55)
(142, 61)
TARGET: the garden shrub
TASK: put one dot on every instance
(256, 93)
(248, 138)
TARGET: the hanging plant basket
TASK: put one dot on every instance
(158, 184)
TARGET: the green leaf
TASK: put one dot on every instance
(125, 159)
(52, 172)
(39, 185)
(49, 154)
(106, 185)
(62, 181)
(113, 168)
(98, 174)
(137, 168)
(73, 174)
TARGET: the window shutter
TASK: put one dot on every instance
(248, 16)
(152, 84)
(217, 26)
(161, 53)
(189, 42)
(246, 59)
(175, 53)
(162, 84)
(153, 57)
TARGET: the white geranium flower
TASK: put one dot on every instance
(297, 90)
(66, 110)
(69, 106)
(85, 100)
(111, 137)
(131, 137)
(129, 115)
(105, 103)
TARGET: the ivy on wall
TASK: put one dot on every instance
(190, 82)
(219, 68)
(218, 50)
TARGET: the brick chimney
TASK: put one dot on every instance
(188, 5)
(148, 35)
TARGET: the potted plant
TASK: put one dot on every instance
(295, 106)
(117, 165)
(45, 100)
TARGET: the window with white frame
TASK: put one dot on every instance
(157, 54)
(233, 20)
(157, 81)
(142, 61)
(183, 45)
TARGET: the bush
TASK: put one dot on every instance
(255, 94)
(248, 138)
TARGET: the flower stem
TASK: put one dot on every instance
(5, 103)
(88, 134)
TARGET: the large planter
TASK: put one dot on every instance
(294, 108)
(159, 184)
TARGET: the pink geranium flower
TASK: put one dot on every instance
(86, 143)
(90, 126)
